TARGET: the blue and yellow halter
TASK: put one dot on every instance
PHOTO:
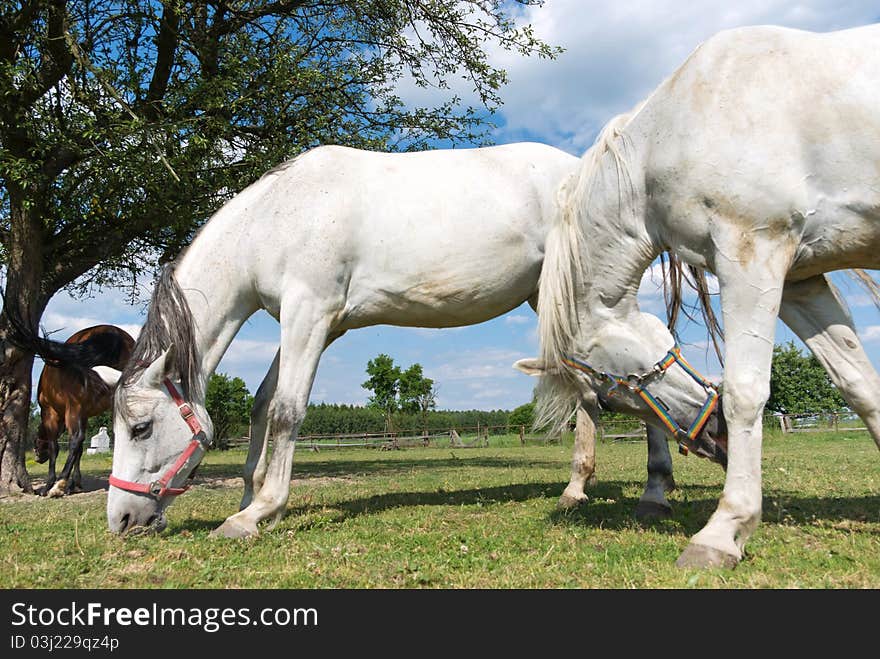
(634, 384)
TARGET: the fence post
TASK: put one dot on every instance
(522, 435)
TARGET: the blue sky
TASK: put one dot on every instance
(616, 53)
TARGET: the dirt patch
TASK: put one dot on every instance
(91, 488)
(94, 488)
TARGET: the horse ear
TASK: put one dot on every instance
(160, 369)
(110, 376)
(531, 366)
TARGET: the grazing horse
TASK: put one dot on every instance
(334, 240)
(69, 395)
(758, 161)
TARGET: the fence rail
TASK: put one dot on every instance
(478, 436)
(817, 422)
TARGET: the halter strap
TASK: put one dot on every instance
(199, 441)
(674, 356)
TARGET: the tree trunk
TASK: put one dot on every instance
(25, 298)
(15, 398)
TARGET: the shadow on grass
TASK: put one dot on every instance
(455, 458)
(607, 508)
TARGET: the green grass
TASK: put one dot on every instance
(466, 518)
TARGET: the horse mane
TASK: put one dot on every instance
(563, 267)
(868, 283)
(675, 274)
(169, 321)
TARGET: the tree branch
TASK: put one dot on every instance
(166, 46)
(58, 58)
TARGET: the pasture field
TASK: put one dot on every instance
(465, 518)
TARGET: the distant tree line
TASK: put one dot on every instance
(326, 418)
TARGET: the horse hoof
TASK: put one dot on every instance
(701, 556)
(234, 529)
(57, 489)
(568, 502)
(651, 510)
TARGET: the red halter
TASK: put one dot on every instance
(199, 441)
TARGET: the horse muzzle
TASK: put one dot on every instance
(130, 514)
(712, 442)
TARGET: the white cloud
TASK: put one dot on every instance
(242, 351)
(65, 325)
(617, 53)
(870, 334)
(518, 320)
(493, 363)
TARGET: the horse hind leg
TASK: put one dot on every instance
(50, 430)
(257, 463)
(76, 433)
(816, 313)
(653, 503)
(583, 462)
(305, 327)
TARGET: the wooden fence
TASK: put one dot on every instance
(478, 436)
(819, 422)
(464, 437)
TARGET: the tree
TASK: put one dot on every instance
(524, 415)
(799, 384)
(399, 391)
(124, 124)
(384, 382)
(229, 404)
(418, 395)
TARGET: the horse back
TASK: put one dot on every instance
(111, 344)
(63, 387)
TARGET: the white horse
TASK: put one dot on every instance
(334, 240)
(759, 160)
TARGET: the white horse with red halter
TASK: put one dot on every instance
(757, 160)
(334, 240)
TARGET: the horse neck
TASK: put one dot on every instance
(615, 245)
(217, 289)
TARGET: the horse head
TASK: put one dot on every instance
(159, 440)
(635, 368)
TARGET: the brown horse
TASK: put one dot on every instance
(69, 396)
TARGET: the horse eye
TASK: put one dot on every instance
(141, 430)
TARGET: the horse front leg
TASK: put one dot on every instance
(304, 332)
(256, 463)
(653, 504)
(583, 462)
(815, 312)
(751, 294)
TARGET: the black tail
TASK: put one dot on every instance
(109, 349)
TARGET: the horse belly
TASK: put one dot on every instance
(473, 292)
